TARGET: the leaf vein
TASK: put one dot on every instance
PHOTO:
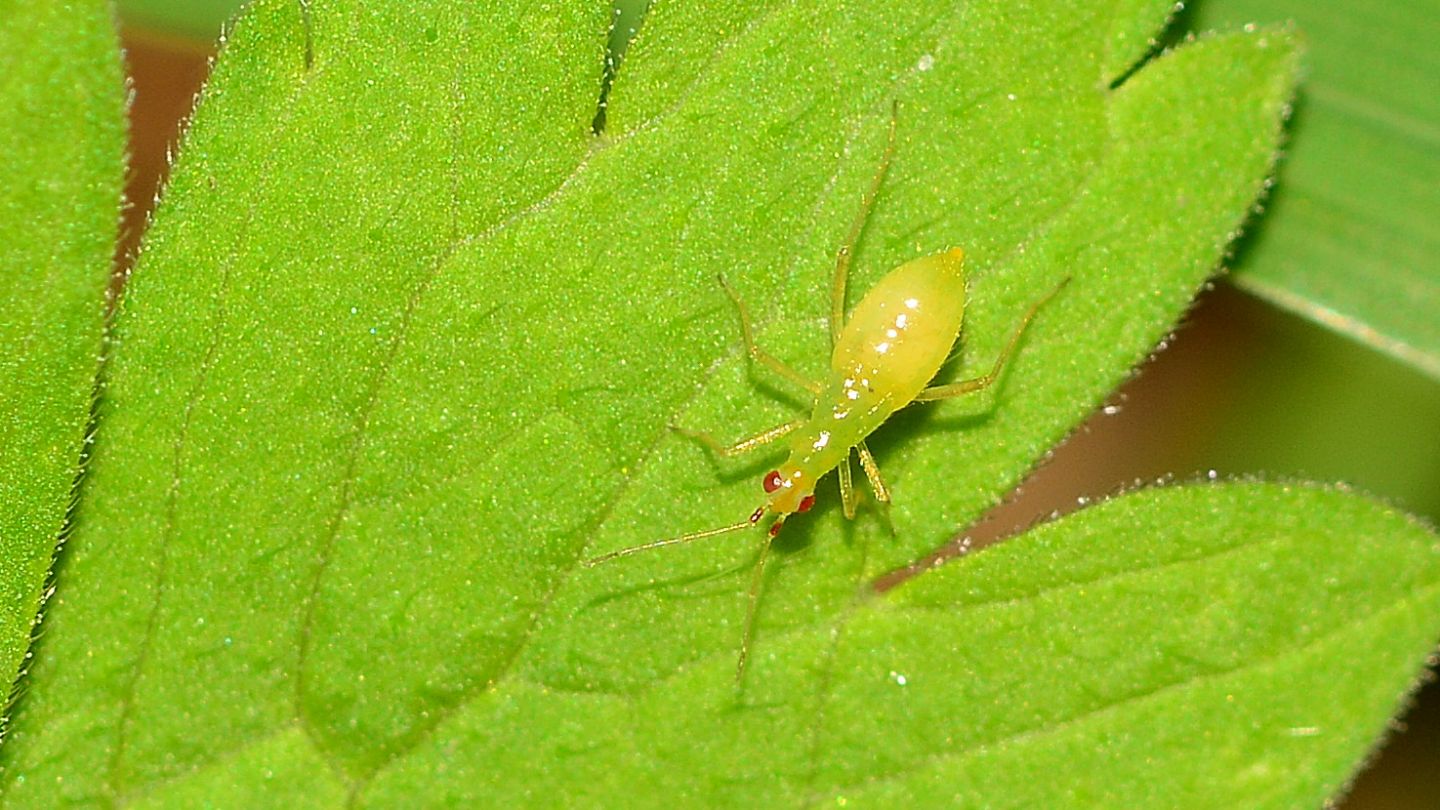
(1407, 601)
(130, 689)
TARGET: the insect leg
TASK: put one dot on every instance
(958, 389)
(745, 445)
(758, 354)
(757, 580)
(872, 472)
(882, 492)
(847, 489)
(844, 255)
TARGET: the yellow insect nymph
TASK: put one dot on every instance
(883, 359)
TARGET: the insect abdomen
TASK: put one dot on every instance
(896, 339)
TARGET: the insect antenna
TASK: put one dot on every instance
(669, 541)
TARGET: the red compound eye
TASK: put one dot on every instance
(807, 502)
(772, 481)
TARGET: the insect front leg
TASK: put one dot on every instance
(752, 611)
(745, 445)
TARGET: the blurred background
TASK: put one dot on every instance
(1242, 388)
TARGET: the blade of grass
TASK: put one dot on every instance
(1351, 240)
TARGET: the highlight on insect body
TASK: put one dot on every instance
(883, 358)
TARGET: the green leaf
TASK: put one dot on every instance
(1230, 645)
(63, 143)
(1136, 29)
(1351, 236)
(405, 339)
